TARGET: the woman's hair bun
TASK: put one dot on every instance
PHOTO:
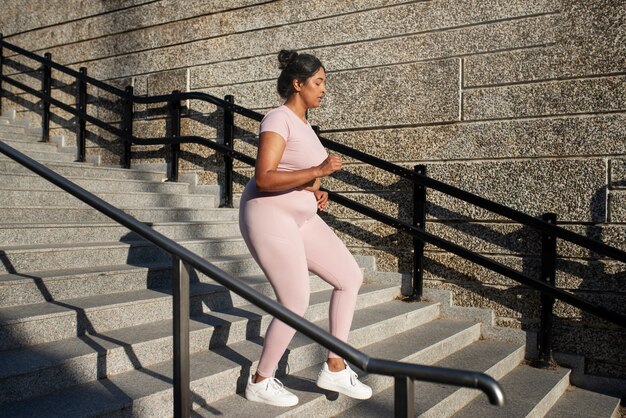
(285, 57)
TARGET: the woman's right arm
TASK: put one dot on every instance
(269, 179)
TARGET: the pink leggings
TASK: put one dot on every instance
(288, 239)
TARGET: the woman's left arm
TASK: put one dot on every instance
(312, 186)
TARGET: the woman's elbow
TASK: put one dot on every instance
(261, 184)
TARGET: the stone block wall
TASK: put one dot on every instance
(519, 101)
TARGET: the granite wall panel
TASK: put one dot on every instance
(590, 38)
(568, 136)
(617, 206)
(456, 42)
(617, 179)
(595, 95)
(20, 16)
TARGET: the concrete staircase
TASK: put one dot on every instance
(85, 313)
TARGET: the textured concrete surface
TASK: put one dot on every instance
(524, 138)
(427, 45)
(618, 173)
(302, 33)
(586, 45)
(18, 12)
(528, 394)
(617, 206)
(433, 400)
(579, 403)
(595, 95)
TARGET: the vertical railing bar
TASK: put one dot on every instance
(1, 71)
(127, 126)
(229, 138)
(81, 104)
(404, 397)
(46, 88)
(548, 274)
(174, 107)
(181, 273)
(419, 220)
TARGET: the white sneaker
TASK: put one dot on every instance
(270, 391)
(345, 381)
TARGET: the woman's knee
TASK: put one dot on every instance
(298, 304)
(351, 280)
(357, 278)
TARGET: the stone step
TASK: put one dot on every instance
(59, 198)
(8, 128)
(32, 258)
(87, 214)
(25, 145)
(580, 403)
(35, 182)
(85, 170)
(37, 234)
(217, 374)
(437, 400)
(29, 137)
(27, 325)
(47, 286)
(46, 156)
(530, 392)
(76, 360)
(55, 285)
(425, 344)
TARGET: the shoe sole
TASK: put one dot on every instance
(254, 398)
(331, 388)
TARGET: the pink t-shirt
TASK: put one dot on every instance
(303, 148)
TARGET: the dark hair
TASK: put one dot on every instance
(295, 66)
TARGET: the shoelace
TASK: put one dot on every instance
(275, 384)
(354, 378)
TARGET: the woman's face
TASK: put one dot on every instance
(313, 89)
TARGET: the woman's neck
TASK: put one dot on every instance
(297, 107)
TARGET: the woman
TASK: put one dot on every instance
(279, 222)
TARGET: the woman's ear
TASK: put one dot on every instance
(297, 86)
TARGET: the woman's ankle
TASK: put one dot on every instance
(258, 378)
(335, 364)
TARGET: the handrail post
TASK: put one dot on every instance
(1, 70)
(127, 125)
(548, 274)
(81, 105)
(174, 107)
(181, 272)
(404, 397)
(229, 137)
(46, 88)
(419, 220)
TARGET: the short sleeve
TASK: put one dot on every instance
(276, 121)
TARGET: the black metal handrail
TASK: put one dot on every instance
(401, 371)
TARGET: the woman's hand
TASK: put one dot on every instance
(322, 199)
(331, 164)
